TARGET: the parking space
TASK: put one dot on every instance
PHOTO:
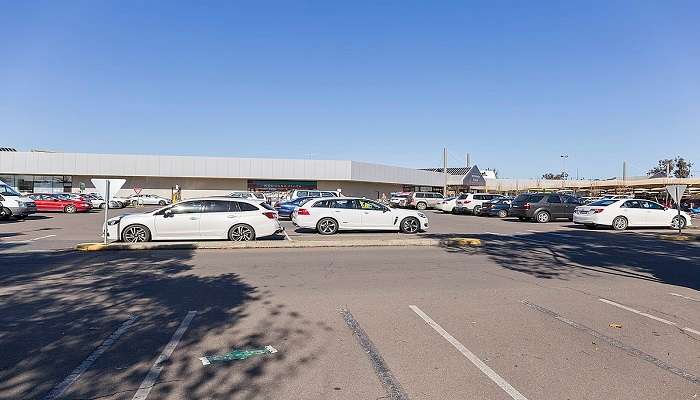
(539, 311)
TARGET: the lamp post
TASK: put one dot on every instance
(563, 165)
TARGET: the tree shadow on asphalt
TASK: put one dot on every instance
(564, 255)
(57, 307)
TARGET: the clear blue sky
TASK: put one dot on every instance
(516, 84)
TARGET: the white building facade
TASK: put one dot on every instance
(45, 172)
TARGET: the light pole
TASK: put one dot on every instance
(563, 165)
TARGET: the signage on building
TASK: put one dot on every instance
(473, 177)
(280, 185)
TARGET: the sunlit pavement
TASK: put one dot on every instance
(547, 311)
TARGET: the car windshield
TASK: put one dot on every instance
(603, 203)
(8, 191)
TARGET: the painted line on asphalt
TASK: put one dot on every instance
(618, 344)
(287, 236)
(157, 366)
(494, 233)
(655, 318)
(43, 237)
(685, 297)
(497, 379)
(389, 382)
(59, 389)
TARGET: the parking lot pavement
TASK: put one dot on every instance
(522, 316)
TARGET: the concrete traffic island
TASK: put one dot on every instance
(279, 244)
(683, 237)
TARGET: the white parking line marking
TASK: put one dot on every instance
(157, 366)
(58, 390)
(512, 392)
(287, 236)
(685, 297)
(494, 233)
(655, 318)
(43, 237)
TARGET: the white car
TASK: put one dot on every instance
(447, 205)
(147, 200)
(328, 216)
(205, 218)
(252, 196)
(397, 199)
(472, 202)
(296, 193)
(623, 213)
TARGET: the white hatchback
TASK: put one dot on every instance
(623, 213)
(205, 218)
(328, 216)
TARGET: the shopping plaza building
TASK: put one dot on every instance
(51, 172)
(47, 172)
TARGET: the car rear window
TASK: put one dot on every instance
(246, 206)
(603, 203)
(267, 206)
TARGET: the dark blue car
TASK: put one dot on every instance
(285, 209)
(496, 207)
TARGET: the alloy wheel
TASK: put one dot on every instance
(241, 233)
(135, 234)
(327, 226)
(410, 225)
(619, 224)
(70, 209)
(543, 217)
(675, 222)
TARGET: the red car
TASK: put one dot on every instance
(49, 202)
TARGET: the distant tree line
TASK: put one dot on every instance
(677, 167)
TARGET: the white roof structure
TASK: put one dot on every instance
(42, 163)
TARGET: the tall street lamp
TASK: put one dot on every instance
(563, 165)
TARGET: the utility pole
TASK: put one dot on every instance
(444, 171)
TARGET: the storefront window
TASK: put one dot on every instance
(25, 183)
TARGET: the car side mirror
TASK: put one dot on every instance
(168, 213)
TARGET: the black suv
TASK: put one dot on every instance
(543, 207)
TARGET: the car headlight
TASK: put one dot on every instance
(422, 215)
(114, 221)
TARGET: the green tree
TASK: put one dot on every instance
(550, 175)
(682, 167)
(663, 166)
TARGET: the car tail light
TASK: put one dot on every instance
(597, 210)
(526, 206)
(303, 211)
(270, 214)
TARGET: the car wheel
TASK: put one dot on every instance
(241, 233)
(5, 213)
(327, 226)
(620, 223)
(162, 203)
(521, 218)
(410, 225)
(421, 206)
(69, 209)
(502, 213)
(103, 205)
(476, 210)
(542, 217)
(675, 222)
(134, 203)
(136, 233)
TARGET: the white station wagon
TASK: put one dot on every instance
(205, 218)
(328, 216)
(623, 213)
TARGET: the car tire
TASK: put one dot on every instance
(136, 233)
(69, 209)
(620, 223)
(103, 205)
(5, 213)
(476, 210)
(241, 233)
(542, 217)
(502, 213)
(421, 206)
(327, 226)
(521, 218)
(674, 222)
(162, 203)
(410, 225)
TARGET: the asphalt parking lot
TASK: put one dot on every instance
(540, 311)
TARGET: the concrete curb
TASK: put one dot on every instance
(277, 244)
(684, 237)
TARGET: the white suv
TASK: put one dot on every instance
(423, 200)
(472, 202)
(296, 193)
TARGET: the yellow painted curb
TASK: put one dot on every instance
(679, 238)
(464, 242)
(91, 246)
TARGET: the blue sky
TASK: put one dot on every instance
(516, 84)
